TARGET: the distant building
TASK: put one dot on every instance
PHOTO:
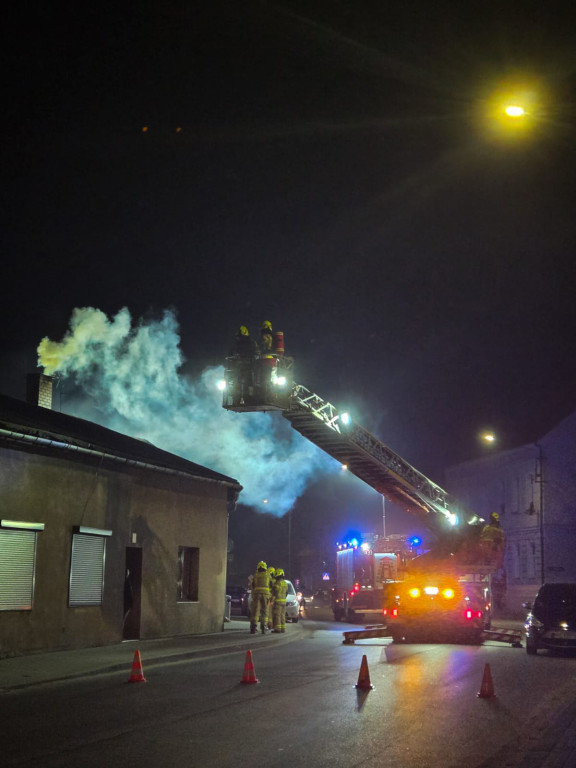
(533, 488)
(104, 537)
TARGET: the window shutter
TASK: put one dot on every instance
(87, 570)
(17, 559)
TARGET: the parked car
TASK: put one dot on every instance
(292, 603)
(551, 621)
(239, 600)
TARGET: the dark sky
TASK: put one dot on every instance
(330, 166)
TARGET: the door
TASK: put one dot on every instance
(132, 593)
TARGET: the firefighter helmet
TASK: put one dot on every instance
(244, 331)
(267, 325)
(262, 565)
(495, 517)
(279, 573)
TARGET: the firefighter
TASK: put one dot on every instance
(244, 352)
(266, 338)
(272, 582)
(492, 539)
(244, 345)
(260, 598)
(279, 611)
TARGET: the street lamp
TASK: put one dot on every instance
(511, 111)
(539, 478)
(514, 111)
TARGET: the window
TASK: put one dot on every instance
(17, 564)
(188, 570)
(87, 566)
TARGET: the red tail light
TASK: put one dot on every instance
(469, 614)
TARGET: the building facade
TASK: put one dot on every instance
(533, 488)
(104, 537)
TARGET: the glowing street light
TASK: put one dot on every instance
(514, 111)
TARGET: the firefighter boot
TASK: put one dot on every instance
(252, 629)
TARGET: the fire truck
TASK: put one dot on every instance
(266, 383)
(367, 573)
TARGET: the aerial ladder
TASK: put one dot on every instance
(266, 383)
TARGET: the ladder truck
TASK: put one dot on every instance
(266, 383)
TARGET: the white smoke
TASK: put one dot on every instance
(131, 381)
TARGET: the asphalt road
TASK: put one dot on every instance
(422, 712)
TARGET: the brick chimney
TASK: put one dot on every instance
(39, 389)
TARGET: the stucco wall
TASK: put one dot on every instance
(146, 509)
(533, 487)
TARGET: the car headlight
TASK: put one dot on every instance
(533, 622)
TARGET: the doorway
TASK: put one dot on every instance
(132, 593)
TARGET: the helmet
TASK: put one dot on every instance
(267, 325)
(244, 331)
(495, 517)
(261, 565)
(271, 569)
(279, 572)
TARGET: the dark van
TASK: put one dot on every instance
(551, 622)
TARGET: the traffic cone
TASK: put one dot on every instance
(364, 676)
(249, 675)
(487, 688)
(137, 675)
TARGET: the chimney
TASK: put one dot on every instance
(39, 390)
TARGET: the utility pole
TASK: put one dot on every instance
(384, 515)
(540, 479)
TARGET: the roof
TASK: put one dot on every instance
(22, 422)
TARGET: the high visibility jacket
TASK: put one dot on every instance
(493, 534)
(280, 591)
(261, 583)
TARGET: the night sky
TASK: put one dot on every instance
(333, 167)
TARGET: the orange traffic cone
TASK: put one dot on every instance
(137, 675)
(249, 676)
(487, 688)
(364, 676)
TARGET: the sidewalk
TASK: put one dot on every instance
(38, 668)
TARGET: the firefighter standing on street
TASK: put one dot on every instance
(260, 598)
(272, 579)
(280, 591)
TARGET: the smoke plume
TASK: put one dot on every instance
(129, 379)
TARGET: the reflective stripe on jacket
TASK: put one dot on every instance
(281, 590)
(260, 583)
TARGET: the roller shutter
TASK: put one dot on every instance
(87, 570)
(17, 566)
